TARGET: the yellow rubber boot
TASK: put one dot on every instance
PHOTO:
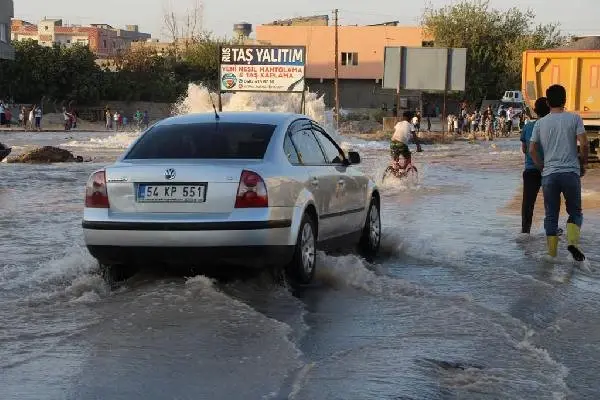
(552, 242)
(573, 234)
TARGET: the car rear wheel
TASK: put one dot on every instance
(113, 274)
(370, 240)
(302, 268)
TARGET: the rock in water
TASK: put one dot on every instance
(46, 154)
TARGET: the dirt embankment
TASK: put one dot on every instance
(46, 155)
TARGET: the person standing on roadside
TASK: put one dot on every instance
(38, 118)
(556, 135)
(145, 119)
(532, 176)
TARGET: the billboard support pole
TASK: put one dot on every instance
(220, 105)
(303, 103)
(445, 112)
(336, 73)
(444, 117)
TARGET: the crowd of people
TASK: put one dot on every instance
(117, 121)
(503, 122)
(29, 118)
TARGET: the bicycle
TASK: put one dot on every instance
(395, 170)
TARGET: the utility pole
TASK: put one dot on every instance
(336, 81)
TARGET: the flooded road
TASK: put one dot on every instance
(455, 308)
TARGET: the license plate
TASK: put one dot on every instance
(181, 193)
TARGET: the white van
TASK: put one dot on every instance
(513, 96)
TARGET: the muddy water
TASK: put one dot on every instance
(455, 308)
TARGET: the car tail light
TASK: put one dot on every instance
(96, 195)
(252, 191)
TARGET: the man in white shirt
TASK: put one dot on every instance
(562, 165)
(403, 131)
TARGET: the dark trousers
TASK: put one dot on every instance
(532, 182)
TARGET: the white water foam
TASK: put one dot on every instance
(73, 277)
(118, 141)
(199, 99)
(351, 271)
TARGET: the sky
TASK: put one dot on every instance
(220, 15)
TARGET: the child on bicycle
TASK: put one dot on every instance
(403, 131)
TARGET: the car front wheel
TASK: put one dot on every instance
(302, 268)
(370, 240)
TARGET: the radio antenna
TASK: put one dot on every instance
(214, 108)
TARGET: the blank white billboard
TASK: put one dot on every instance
(424, 68)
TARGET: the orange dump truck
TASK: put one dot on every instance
(578, 71)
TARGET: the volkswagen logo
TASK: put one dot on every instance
(170, 174)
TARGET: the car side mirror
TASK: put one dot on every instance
(354, 157)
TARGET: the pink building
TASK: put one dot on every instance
(361, 47)
(361, 53)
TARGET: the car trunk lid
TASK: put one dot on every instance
(175, 186)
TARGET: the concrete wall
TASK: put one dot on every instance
(6, 14)
(361, 93)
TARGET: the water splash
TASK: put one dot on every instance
(198, 99)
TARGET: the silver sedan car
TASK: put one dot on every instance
(250, 188)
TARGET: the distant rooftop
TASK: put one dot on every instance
(583, 43)
(105, 26)
(389, 23)
(311, 20)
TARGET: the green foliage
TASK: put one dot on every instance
(202, 60)
(378, 115)
(495, 41)
(71, 74)
(55, 72)
(354, 116)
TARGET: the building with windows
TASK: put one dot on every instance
(6, 14)
(104, 40)
(361, 57)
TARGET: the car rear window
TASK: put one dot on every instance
(204, 140)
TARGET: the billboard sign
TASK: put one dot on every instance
(262, 68)
(424, 68)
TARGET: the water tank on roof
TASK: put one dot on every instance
(242, 30)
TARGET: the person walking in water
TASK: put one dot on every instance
(532, 176)
(556, 135)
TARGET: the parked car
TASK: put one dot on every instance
(249, 188)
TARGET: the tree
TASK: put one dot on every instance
(495, 41)
(57, 72)
(70, 75)
(144, 75)
(202, 59)
(184, 27)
